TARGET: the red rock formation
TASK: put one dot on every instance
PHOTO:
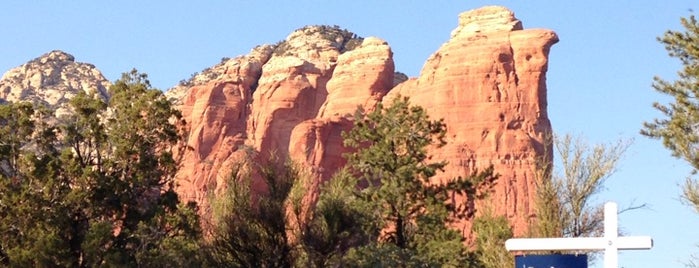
(290, 84)
(361, 78)
(217, 115)
(488, 82)
(293, 86)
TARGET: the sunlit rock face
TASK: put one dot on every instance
(488, 83)
(295, 98)
(51, 80)
(292, 99)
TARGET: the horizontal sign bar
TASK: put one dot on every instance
(578, 243)
(634, 242)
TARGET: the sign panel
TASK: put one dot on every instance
(551, 261)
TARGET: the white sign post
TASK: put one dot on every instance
(611, 243)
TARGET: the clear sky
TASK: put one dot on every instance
(599, 78)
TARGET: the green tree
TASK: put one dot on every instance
(32, 211)
(679, 128)
(98, 190)
(266, 226)
(338, 223)
(491, 233)
(394, 179)
(124, 155)
(251, 224)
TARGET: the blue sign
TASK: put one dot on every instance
(551, 261)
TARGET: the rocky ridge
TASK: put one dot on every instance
(295, 98)
(52, 80)
(260, 100)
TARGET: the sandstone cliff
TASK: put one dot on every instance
(217, 113)
(488, 82)
(290, 98)
(295, 98)
(52, 80)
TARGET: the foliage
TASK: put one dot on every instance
(564, 201)
(254, 227)
(98, 189)
(338, 223)
(30, 204)
(281, 48)
(252, 223)
(548, 204)
(17, 126)
(679, 128)
(564, 198)
(491, 233)
(394, 181)
(351, 44)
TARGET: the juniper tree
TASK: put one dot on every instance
(97, 189)
(338, 223)
(251, 225)
(32, 211)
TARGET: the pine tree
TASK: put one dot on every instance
(679, 128)
(394, 173)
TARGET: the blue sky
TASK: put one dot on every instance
(599, 77)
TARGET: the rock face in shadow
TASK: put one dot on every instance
(295, 98)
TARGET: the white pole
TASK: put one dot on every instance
(611, 233)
